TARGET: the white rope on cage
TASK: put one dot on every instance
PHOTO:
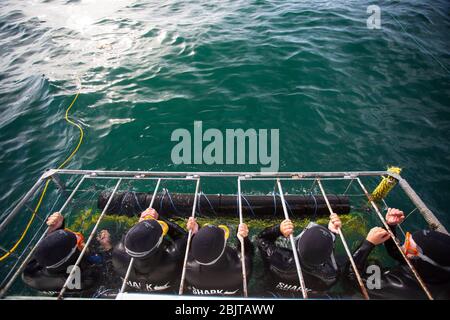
(348, 187)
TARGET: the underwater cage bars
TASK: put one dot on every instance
(55, 175)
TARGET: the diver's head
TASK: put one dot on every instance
(144, 238)
(315, 246)
(209, 243)
(57, 249)
(429, 250)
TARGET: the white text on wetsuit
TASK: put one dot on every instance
(147, 286)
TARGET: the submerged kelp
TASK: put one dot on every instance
(352, 223)
(355, 227)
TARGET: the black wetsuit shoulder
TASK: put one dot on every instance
(40, 278)
(51, 281)
(223, 278)
(161, 271)
(280, 266)
(397, 282)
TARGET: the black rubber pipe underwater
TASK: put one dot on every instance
(180, 204)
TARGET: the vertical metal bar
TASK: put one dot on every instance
(127, 275)
(24, 263)
(388, 229)
(294, 250)
(347, 250)
(91, 236)
(183, 272)
(130, 266)
(241, 220)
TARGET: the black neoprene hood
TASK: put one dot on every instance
(208, 244)
(55, 247)
(143, 236)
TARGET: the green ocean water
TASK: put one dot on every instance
(344, 97)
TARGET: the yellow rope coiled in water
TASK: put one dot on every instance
(80, 141)
(386, 185)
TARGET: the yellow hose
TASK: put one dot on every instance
(80, 141)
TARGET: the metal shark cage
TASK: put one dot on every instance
(81, 176)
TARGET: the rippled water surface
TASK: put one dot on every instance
(344, 97)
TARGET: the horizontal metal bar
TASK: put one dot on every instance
(138, 179)
(294, 178)
(143, 174)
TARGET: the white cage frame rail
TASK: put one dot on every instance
(278, 177)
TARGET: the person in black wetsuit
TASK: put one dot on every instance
(157, 259)
(315, 247)
(213, 267)
(428, 251)
(50, 265)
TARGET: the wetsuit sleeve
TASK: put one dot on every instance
(392, 249)
(175, 231)
(266, 240)
(248, 247)
(361, 254)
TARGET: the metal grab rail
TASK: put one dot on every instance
(142, 174)
(344, 243)
(294, 250)
(241, 221)
(188, 244)
(130, 266)
(91, 236)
